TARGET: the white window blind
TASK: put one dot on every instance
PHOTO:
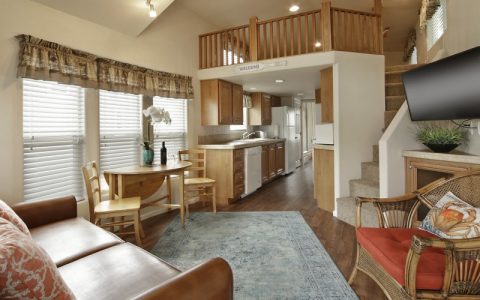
(120, 130)
(413, 57)
(175, 134)
(53, 136)
(437, 25)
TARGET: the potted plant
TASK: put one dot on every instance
(438, 138)
(156, 115)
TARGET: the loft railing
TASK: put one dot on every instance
(325, 29)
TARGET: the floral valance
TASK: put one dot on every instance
(410, 44)
(427, 10)
(44, 60)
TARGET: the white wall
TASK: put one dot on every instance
(358, 103)
(169, 44)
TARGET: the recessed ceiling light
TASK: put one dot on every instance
(300, 94)
(294, 8)
(253, 88)
(279, 81)
(318, 45)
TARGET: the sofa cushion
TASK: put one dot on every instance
(389, 247)
(71, 239)
(26, 271)
(120, 272)
(8, 214)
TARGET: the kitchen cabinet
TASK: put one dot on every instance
(221, 102)
(280, 158)
(227, 167)
(276, 101)
(272, 166)
(326, 94)
(261, 111)
(323, 167)
(265, 175)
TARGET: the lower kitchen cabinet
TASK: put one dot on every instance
(227, 167)
(323, 167)
(273, 161)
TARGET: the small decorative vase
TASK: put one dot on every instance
(442, 148)
(148, 157)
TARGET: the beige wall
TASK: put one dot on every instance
(169, 44)
(394, 58)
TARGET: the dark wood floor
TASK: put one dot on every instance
(292, 192)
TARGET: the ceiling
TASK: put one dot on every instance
(304, 81)
(126, 16)
(399, 15)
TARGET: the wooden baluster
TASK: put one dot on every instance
(285, 37)
(314, 48)
(215, 50)
(200, 54)
(238, 45)
(307, 35)
(231, 34)
(366, 33)
(244, 45)
(326, 20)
(271, 39)
(299, 40)
(265, 41)
(278, 39)
(253, 35)
(292, 34)
(378, 10)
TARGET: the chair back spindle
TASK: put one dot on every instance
(92, 186)
(198, 160)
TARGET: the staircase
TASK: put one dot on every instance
(369, 184)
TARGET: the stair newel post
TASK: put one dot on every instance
(378, 10)
(253, 28)
(326, 21)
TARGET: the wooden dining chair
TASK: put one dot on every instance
(105, 213)
(196, 183)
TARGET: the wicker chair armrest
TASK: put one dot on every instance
(391, 212)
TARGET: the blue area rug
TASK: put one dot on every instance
(273, 255)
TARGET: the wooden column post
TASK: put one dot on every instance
(253, 28)
(326, 20)
(378, 10)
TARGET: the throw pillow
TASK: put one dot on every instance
(8, 214)
(452, 218)
(26, 270)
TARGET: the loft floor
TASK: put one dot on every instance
(293, 192)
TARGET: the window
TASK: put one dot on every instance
(120, 130)
(437, 25)
(53, 136)
(174, 134)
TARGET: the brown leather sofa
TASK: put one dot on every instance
(96, 264)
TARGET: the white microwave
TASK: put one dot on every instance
(324, 133)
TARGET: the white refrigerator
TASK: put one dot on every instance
(285, 124)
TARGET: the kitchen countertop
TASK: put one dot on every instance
(240, 144)
(323, 147)
(454, 156)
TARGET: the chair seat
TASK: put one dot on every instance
(118, 205)
(198, 181)
(389, 247)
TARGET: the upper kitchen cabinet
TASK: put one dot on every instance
(222, 102)
(261, 111)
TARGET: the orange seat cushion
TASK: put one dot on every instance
(389, 247)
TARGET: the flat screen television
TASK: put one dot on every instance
(448, 89)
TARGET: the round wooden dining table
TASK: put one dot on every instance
(144, 181)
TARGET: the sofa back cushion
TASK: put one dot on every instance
(26, 271)
(8, 214)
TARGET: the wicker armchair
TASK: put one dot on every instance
(456, 262)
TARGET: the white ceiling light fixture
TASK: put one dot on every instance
(294, 8)
(253, 88)
(279, 81)
(151, 9)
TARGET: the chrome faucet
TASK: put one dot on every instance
(247, 134)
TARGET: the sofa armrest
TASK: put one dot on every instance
(210, 280)
(42, 212)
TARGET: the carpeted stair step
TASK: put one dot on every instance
(393, 77)
(394, 102)
(364, 188)
(371, 171)
(401, 68)
(346, 211)
(376, 157)
(394, 89)
(388, 117)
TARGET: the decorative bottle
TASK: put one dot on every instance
(163, 154)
